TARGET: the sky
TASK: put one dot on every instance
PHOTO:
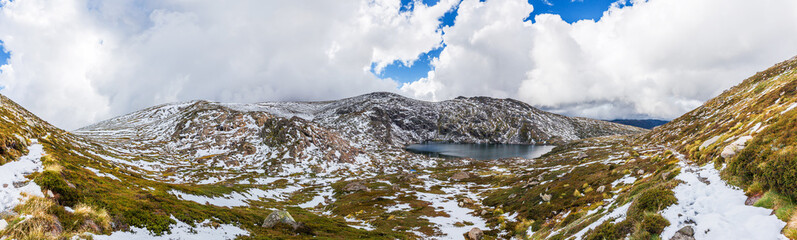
(76, 62)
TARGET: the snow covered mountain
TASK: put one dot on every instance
(338, 170)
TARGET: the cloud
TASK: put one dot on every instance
(658, 58)
(77, 62)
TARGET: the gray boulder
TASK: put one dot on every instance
(355, 187)
(686, 233)
(475, 234)
(460, 176)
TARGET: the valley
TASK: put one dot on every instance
(339, 170)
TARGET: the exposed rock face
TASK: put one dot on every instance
(686, 233)
(475, 234)
(363, 131)
(460, 176)
(734, 148)
(278, 216)
(355, 187)
(545, 197)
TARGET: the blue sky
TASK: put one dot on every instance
(3, 59)
(570, 10)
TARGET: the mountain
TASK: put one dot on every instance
(641, 123)
(338, 170)
(364, 132)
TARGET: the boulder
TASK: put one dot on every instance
(278, 216)
(734, 148)
(686, 233)
(475, 234)
(600, 189)
(460, 176)
(545, 197)
(355, 187)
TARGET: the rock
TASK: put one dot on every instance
(545, 197)
(279, 216)
(460, 176)
(640, 172)
(475, 234)
(581, 155)
(539, 178)
(91, 226)
(355, 187)
(752, 199)
(5, 185)
(734, 148)
(49, 194)
(600, 189)
(686, 233)
(704, 180)
(468, 201)
(484, 212)
(19, 184)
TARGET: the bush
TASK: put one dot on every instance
(610, 231)
(652, 200)
(53, 181)
(780, 173)
(654, 223)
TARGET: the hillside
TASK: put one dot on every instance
(363, 133)
(204, 170)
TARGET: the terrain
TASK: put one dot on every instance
(337, 170)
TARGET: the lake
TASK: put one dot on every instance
(480, 151)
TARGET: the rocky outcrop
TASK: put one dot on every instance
(686, 233)
(355, 187)
(460, 176)
(475, 234)
(734, 148)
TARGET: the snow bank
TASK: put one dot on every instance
(180, 231)
(716, 210)
(15, 172)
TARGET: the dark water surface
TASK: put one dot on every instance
(480, 151)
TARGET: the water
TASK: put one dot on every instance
(480, 151)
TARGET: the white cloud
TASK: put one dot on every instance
(77, 62)
(659, 58)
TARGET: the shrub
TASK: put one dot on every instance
(53, 181)
(780, 173)
(652, 200)
(654, 223)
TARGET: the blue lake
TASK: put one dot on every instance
(480, 151)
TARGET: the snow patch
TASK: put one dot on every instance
(15, 172)
(181, 231)
(717, 210)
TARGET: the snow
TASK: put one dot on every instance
(718, 210)
(16, 171)
(445, 203)
(180, 231)
(398, 207)
(101, 174)
(618, 214)
(237, 199)
(628, 179)
(792, 106)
